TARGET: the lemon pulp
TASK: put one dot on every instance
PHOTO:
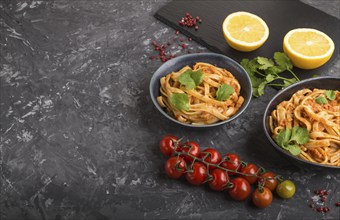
(308, 48)
(244, 31)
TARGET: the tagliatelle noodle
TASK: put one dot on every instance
(204, 108)
(321, 120)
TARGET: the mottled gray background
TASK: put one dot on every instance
(79, 134)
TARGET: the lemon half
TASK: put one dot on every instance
(308, 48)
(244, 31)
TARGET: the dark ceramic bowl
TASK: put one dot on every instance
(212, 58)
(331, 83)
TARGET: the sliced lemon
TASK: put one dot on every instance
(244, 31)
(308, 48)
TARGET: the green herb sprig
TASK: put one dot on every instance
(321, 100)
(263, 71)
(290, 139)
(224, 91)
(191, 79)
(180, 101)
(330, 94)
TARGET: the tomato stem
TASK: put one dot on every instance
(259, 172)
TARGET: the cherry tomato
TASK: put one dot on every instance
(262, 199)
(286, 189)
(175, 167)
(211, 156)
(232, 164)
(191, 148)
(198, 174)
(240, 190)
(219, 180)
(270, 181)
(250, 169)
(167, 145)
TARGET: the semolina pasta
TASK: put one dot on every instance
(203, 107)
(320, 115)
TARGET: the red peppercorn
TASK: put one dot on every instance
(184, 46)
(322, 192)
(188, 20)
(152, 57)
(196, 28)
(337, 204)
(320, 209)
(325, 209)
(190, 39)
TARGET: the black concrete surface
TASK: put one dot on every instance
(79, 133)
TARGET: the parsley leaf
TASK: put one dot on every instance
(273, 70)
(288, 82)
(264, 62)
(224, 91)
(300, 135)
(253, 65)
(180, 101)
(245, 64)
(283, 137)
(186, 80)
(330, 94)
(197, 77)
(191, 79)
(294, 149)
(264, 71)
(283, 60)
(321, 100)
(290, 139)
(270, 78)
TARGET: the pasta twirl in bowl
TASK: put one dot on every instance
(201, 90)
(303, 121)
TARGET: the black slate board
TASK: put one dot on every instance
(280, 16)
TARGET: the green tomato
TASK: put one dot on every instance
(286, 189)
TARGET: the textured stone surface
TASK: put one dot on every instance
(79, 134)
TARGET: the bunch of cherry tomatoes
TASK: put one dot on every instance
(208, 166)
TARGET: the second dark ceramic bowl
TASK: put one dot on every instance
(190, 60)
(330, 83)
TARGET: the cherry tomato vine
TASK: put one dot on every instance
(208, 166)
